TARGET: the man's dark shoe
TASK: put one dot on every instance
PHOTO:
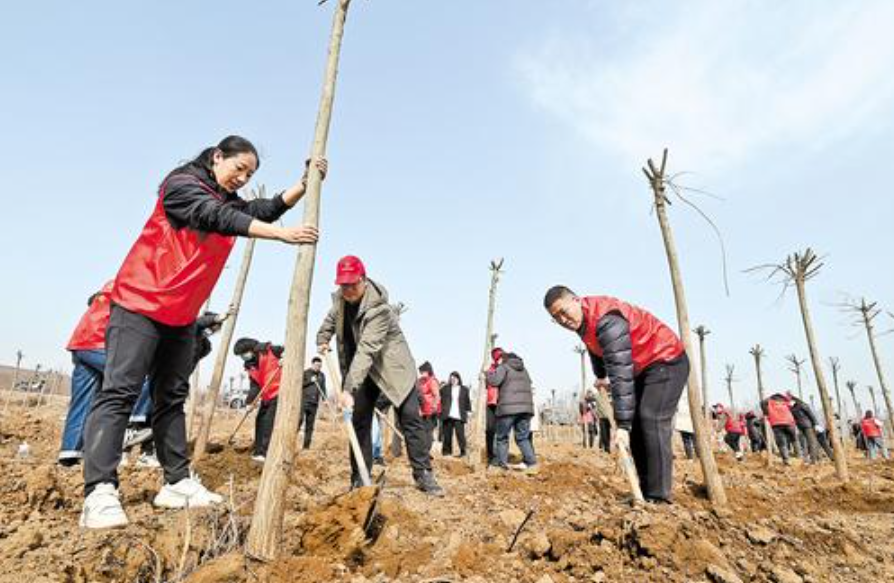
(427, 483)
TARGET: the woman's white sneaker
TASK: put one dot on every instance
(187, 492)
(102, 509)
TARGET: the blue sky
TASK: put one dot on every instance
(464, 131)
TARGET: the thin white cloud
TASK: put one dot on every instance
(719, 81)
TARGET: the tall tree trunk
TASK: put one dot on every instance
(476, 437)
(212, 395)
(265, 533)
(837, 449)
(716, 491)
(842, 414)
(874, 402)
(758, 354)
(870, 333)
(702, 332)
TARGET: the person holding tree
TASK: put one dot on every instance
(158, 292)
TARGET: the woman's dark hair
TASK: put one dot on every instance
(459, 379)
(229, 146)
(426, 367)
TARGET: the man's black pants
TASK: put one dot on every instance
(454, 427)
(137, 346)
(264, 426)
(786, 437)
(658, 390)
(490, 433)
(605, 435)
(308, 418)
(410, 422)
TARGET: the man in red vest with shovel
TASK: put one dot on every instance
(644, 363)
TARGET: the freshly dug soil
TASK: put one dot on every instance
(785, 523)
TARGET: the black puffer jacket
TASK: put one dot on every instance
(516, 395)
(804, 416)
(613, 334)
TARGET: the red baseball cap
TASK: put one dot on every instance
(349, 270)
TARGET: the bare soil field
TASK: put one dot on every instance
(786, 524)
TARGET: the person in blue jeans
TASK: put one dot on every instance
(86, 378)
(515, 408)
(88, 353)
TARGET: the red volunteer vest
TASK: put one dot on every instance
(90, 333)
(734, 424)
(429, 390)
(170, 273)
(650, 339)
(493, 393)
(870, 428)
(268, 375)
(779, 412)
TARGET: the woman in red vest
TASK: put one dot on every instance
(265, 373)
(158, 292)
(734, 426)
(778, 412)
(644, 362)
(872, 435)
(490, 423)
(429, 398)
(88, 353)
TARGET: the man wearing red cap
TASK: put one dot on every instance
(374, 358)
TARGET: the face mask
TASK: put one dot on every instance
(247, 356)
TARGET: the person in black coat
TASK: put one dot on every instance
(455, 407)
(313, 385)
(807, 422)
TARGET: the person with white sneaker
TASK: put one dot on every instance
(160, 288)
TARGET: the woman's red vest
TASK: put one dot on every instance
(90, 333)
(267, 375)
(650, 339)
(169, 273)
(870, 428)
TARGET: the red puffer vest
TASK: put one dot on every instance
(169, 273)
(779, 412)
(267, 375)
(90, 333)
(870, 428)
(650, 339)
(429, 394)
(493, 393)
(734, 424)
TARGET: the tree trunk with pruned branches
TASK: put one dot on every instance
(713, 483)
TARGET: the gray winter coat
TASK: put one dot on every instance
(512, 380)
(382, 351)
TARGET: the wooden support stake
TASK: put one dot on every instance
(476, 439)
(265, 534)
(212, 395)
(758, 353)
(335, 375)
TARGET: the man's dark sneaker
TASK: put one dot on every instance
(427, 483)
(379, 461)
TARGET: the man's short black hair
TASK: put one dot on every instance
(244, 345)
(554, 294)
(316, 359)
